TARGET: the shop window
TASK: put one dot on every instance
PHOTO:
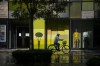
(39, 28)
(76, 39)
(75, 10)
(87, 39)
(87, 6)
(76, 34)
(58, 27)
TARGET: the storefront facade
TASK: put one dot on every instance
(75, 19)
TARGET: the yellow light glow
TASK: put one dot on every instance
(39, 26)
(63, 35)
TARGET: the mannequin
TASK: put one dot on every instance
(76, 38)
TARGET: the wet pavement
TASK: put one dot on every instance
(73, 58)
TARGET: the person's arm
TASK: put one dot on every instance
(61, 39)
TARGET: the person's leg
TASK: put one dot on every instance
(58, 46)
(55, 44)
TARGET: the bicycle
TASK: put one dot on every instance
(63, 48)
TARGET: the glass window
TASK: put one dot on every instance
(97, 10)
(75, 10)
(76, 33)
(3, 9)
(12, 7)
(87, 6)
(41, 32)
(16, 7)
(65, 13)
(87, 14)
(87, 34)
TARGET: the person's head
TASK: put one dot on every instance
(58, 34)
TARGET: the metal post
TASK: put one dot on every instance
(38, 44)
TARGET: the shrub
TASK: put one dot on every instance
(32, 56)
(95, 61)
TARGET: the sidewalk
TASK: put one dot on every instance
(75, 58)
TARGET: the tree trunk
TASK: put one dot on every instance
(31, 33)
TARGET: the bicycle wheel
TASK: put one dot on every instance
(52, 47)
(65, 49)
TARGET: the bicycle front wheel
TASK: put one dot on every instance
(65, 49)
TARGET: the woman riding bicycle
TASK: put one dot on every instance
(56, 44)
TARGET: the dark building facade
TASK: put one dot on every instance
(80, 15)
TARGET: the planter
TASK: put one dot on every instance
(32, 56)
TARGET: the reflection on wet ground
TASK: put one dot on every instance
(73, 58)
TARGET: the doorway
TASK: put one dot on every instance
(23, 37)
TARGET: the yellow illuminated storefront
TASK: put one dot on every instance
(49, 30)
(57, 26)
(64, 34)
(39, 26)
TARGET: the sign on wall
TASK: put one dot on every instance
(87, 14)
(3, 9)
(2, 33)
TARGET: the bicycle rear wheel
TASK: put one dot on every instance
(65, 49)
(52, 47)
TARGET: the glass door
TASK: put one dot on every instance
(23, 37)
